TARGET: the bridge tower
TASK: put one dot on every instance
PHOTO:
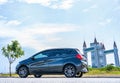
(116, 57)
(97, 55)
(85, 52)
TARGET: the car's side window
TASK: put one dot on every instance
(59, 53)
(55, 54)
(50, 53)
(40, 55)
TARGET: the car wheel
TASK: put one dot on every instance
(69, 71)
(37, 76)
(79, 74)
(23, 72)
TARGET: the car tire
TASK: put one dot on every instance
(69, 71)
(37, 76)
(23, 72)
(79, 74)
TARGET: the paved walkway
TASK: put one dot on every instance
(59, 80)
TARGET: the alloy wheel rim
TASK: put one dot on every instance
(22, 71)
(69, 71)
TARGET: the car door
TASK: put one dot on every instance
(39, 64)
(55, 61)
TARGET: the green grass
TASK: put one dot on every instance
(108, 70)
(102, 72)
(7, 75)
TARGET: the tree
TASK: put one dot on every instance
(12, 52)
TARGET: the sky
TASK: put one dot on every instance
(43, 24)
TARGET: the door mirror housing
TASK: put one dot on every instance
(32, 58)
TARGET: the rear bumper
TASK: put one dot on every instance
(82, 68)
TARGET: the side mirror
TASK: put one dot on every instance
(32, 58)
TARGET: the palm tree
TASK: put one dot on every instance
(12, 52)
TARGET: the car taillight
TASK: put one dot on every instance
(79, 56)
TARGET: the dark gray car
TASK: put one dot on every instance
(67, 61)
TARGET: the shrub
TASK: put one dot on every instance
(109, 67)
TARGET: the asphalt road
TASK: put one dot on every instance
(59, 80)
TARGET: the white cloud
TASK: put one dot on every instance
(93, 6)
(35, 36)
(47, 29)
(55, 4)
(85, 10)
(85, 0)
(13, 22)
(3, 1)
(42, 2)
(88, 0)
(105, 22)
(66, 4)
(90, 8)
(2, 17)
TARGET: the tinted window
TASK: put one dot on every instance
(40, 55)
(64, 52)
(54, 53)
(69, 51)
(57, 53)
